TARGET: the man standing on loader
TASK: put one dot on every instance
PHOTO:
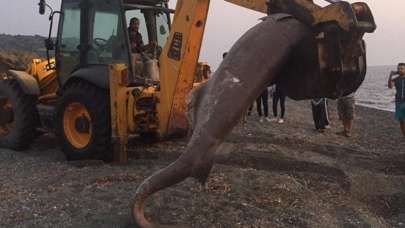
(135, 37)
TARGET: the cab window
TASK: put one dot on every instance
(70, 37)
(106, 36)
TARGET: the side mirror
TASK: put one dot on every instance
(49, 45)
(42, 7)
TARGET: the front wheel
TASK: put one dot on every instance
(83, 122)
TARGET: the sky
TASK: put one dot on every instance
(227, 22)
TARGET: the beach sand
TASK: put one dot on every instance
(268, 175)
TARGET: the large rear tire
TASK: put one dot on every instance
(83, 122)
(19, 116)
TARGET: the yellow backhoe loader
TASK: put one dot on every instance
(96, 92)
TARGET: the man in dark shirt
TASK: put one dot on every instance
(399, 84)
(135, 37)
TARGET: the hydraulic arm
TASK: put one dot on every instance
(178, 63)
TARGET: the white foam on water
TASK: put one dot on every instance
(374, 92)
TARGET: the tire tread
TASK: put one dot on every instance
(26, 117)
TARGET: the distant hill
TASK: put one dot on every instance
(33, 44)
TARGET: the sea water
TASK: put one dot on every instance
(374, 92)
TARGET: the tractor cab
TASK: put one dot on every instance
(95, 33)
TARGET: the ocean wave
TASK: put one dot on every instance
(374, 92)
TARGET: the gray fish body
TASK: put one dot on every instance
(269, 52)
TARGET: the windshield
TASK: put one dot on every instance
(106, 36)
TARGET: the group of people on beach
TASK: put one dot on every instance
(262, 102)
(396, 80)
(320, 111)
(346, 105)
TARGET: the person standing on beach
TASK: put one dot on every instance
(345, 106)
(399, 84)
(320, 113)
(262, 100)
(279, 95)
